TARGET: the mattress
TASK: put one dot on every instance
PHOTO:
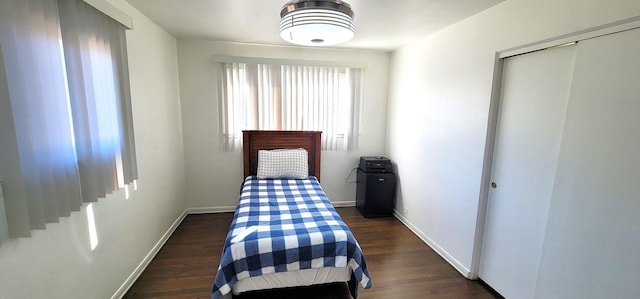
(281, 226)
(295, 278)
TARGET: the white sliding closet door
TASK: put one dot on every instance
(533, 102)
(592, 244)
(564, 218)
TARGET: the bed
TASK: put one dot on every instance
(285, 232)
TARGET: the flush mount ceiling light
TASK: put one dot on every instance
(316, 23)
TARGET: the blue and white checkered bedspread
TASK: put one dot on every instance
(286, 225)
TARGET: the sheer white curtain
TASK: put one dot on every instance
(291, 97)
(234, 108)
(43, 118)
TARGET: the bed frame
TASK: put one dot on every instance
(254, 140)
(267, 140)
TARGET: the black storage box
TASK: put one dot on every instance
(375, 164)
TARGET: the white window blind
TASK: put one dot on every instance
(69, 131)
(260, 96)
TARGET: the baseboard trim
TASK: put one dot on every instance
(148, 258)
(343, 204)
(439, 250)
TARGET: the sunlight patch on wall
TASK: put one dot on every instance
(93, 234)
(127, 193)
(4, 228)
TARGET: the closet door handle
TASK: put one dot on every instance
(494, 185)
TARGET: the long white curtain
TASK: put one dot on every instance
(46, 125)
(291, 97)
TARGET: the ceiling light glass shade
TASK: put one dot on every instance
(316, 23)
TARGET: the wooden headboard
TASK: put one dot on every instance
(266, 140)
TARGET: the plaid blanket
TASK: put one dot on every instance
(285, 225)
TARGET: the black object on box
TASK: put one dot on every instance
(376, 187)
(376, 164)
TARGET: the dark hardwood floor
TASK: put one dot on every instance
(400, 264)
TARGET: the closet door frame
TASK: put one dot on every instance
(492, 122)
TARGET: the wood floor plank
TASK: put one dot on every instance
(400, 264)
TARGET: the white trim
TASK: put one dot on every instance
(492, 123)
(148, 258)
(439, 250)
(111, 11)
(614, 27)
(279, 61)
(344, 204)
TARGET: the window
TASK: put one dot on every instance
(262, 96)
(66, 106)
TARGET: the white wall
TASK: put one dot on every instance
(440, 94)
(57, 262)
(214, 176)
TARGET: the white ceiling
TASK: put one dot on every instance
(380, 24)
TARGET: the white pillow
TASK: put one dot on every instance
(283, 164)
